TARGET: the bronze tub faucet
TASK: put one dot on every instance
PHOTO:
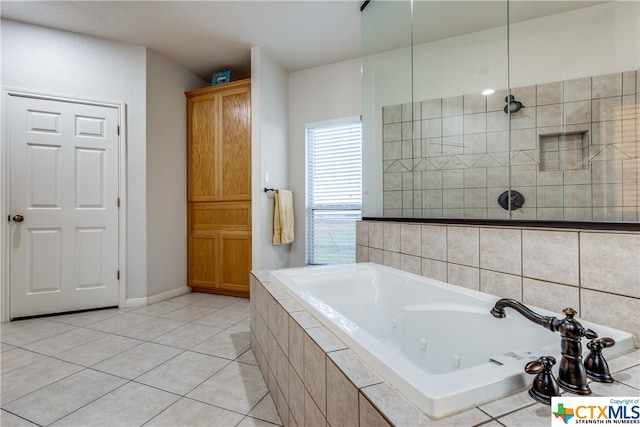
(571, 374)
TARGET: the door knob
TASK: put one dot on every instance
(18, 218)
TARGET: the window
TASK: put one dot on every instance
(334, 179)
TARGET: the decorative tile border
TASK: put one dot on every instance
(450, 158)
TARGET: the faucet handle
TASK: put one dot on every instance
(601, 343)
(591, 334)
(543, 363)
(595, 364)
(544, 385)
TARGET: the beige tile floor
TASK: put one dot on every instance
(181, 362)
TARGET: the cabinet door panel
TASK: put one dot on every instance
(235, 251)
(202, 150)
(203, 256)
(220, 216)
(235, 147)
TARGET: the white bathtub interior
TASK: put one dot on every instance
(434, 342)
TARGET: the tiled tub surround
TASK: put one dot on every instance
(315, 380)
(595, 272)
(435, 343)
(574, 152)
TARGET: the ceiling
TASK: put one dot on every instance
(209, 36)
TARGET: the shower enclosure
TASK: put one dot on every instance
(501, 110)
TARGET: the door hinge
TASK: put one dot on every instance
(118, 130)
(118, 275)
(118, 202)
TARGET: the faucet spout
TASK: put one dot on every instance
(571, 373)
(548, 322)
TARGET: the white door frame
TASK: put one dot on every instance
(5, 187)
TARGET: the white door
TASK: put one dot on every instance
(63, 206)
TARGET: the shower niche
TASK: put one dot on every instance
(564, 151)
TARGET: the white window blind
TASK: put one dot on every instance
(334, 154)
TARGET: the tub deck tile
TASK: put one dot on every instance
(390, 402)
(621, 363)
(326, 340)
(634, 353)
(354, 368)
(305, 320)
(276, 290)
(630, 377)
(402, 413)
(618, 387)
(534, 415)
(262, 275)
(290, 305)
(508, 404)
(470, 417)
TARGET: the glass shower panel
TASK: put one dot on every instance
(460, 62)
(575, 143)
(441, 139)
(387, 109)
(557, 139)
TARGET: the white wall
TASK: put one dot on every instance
(167, 172)
(54, 62)
(36, 59)
(318, 94)
(269, 98)
(591, 41)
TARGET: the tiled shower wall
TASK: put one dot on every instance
(595, 272)
(574, 153)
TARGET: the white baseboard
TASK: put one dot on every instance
(134, 303)
(141, 302)
(168, 294)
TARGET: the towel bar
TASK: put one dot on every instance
(266, 190)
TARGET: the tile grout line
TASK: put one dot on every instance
(141, 342)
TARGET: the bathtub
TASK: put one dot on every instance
(435, 343)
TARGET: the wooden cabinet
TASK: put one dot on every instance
(219, 188)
